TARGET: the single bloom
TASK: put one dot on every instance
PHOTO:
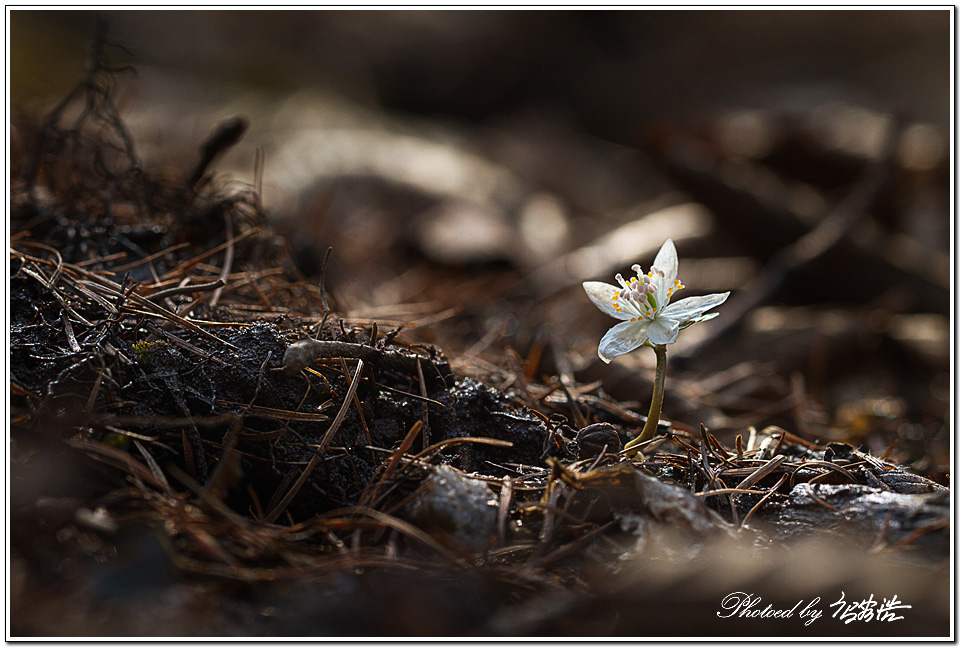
(643, 305)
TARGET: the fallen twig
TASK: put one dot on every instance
(302, 353)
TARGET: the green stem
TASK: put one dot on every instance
(656, 404)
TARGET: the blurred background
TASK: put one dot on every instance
(471, 168)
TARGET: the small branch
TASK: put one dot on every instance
(304, 352)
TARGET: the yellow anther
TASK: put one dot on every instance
(633, 318)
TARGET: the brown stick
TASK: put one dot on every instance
(302, 353)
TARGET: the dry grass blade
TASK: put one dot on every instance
(410, 531)
(228, 471)
(717, 449)
(850, 476)
(154, 467)
(923, 530)
(418, 459)
(315, 459)
(407, 394)
(423, 405)
(566, 379)
(495, 442)
(553, 510)
(826, 504)
(58, 265)
(726, 490)
(163, 421)
(209, 502)
(189, 288)
(170, 316)
(55, 291)
(118, 458)
(148, 259)
(392, 464)
(503, 509)
(711, 475)
(156, 330)
(103, 260)
(763, 500)
(574, 546)
(81, 287)
(550, 511)
(358, 406)
(767, 468)
(432, 319)
(227, 259)
(273, 414)
(187, 266)
(114, 290)
(704, 460)
(208, 545)
(71, 338)
(188, 456)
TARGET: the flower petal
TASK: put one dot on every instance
(663, 330)
(602, 296)
(622, 338)
(690, 322)
(692, 307)
(666, 262)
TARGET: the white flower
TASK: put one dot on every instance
(644, 305)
